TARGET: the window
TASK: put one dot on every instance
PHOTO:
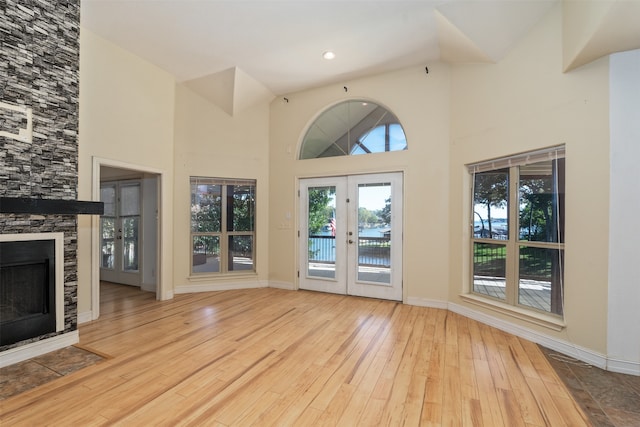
(353, 127)
(388, 137)
(518, 230)
(222, 225)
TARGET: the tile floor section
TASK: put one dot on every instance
(609, 399)
(22, 376)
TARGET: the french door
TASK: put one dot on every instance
(120, 232)
(351, 235)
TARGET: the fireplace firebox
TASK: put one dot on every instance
(27, 290)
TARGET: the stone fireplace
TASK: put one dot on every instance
(39, 153)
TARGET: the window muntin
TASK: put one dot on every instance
(524, 269)
(353, 127)
(222, 225)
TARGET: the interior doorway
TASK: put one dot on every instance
(129, 228)
(127, 237)
(351, 235)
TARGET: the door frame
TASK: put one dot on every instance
(298, 210)
(163, 291)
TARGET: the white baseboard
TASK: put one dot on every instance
(34, 349)
(567, 348)
(425, 302)
(85, 317)
(167, 295)
(623, 367)
(581, 353)
(219, 286)
(282, 285)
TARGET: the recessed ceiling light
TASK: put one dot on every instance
(328, 55)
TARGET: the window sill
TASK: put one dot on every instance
(540, 319)
(218, 276)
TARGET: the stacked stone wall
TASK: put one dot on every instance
(39, 63)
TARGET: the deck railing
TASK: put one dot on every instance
(372, 251)
(535, 263)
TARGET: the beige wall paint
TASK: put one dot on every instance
(133, 112)
(126, 115)
(421, 102)
(581, 20)
(523, 103)
(210, 142)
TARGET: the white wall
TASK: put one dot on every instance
(126, 118)
(623, 337)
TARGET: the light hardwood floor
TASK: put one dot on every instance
(276, 357)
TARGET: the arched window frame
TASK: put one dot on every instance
(341, 128)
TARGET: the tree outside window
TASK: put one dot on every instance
(222, 225)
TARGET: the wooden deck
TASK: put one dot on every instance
(276, 357)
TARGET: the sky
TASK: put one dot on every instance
(373, 198)
(496, 213)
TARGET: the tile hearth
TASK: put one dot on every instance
(23, 376)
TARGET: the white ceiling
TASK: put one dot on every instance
(275, 47)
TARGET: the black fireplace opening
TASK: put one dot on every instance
(27, 290)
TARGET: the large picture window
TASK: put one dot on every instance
(518, 230)
(222, 225)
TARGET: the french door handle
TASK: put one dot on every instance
(350, 241)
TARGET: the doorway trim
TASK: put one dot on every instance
(162, 291)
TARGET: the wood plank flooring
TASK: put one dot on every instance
(274, 357)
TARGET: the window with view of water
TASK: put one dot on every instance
(518, 230)
(222, 225)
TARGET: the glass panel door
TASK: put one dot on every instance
(108, 226)
(322, 232)
(120, 232)
(128, 233)
(374, 232)
(323, 247)
(375, 236)
(347, 244)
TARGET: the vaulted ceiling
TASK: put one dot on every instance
(239, 52)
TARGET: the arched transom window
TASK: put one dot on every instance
(353, 127)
